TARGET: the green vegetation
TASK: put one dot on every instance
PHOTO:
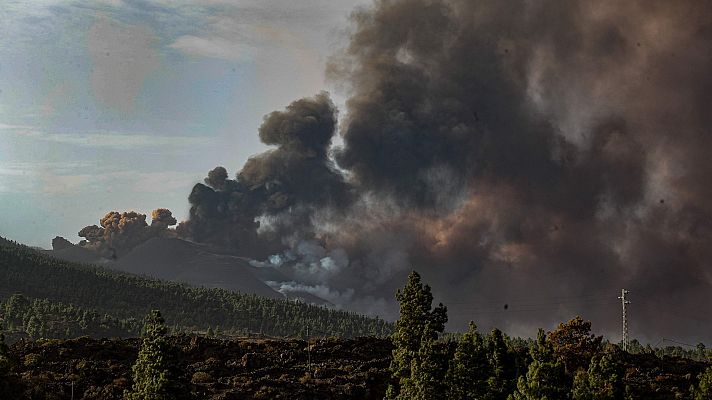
(602, 381)
(467, 378)
(41, 318)
(703, 391)
(150, 372)
(697, 353)
(503, 360)
(418, 320)
(427, 381)
(545, 379)
(60, 299)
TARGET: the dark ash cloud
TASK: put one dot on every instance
(566, 139)
(288, 183)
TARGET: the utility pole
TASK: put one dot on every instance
(624, 302)
(308, 350)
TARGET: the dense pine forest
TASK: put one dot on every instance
(42, 297)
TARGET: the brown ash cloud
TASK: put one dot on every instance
(118, 233)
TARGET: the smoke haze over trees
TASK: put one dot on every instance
(510, 151)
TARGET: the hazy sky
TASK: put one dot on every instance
(124, 105)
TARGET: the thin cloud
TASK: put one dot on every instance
(212, 47)
(104, 139)
(71, 178)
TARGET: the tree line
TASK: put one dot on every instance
(568, 363)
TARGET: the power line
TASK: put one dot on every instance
(537, 305)
(526, 308)
(536, 298)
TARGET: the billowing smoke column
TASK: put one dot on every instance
(121, 232)
(283, 186)
(539, 154)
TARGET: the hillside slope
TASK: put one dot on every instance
(77, 254)
(128, 297)
(181, 261)
(178, 260)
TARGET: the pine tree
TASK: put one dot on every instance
(469, 369)
(415, 314)
(15, 307)
(34, 327)
(546, 378)
(703, 391)
(602, 381)
(150, 372)
(501, 381)
(428, 371)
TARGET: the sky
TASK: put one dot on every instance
(126, 104)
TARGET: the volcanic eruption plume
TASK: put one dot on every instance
(539, 154)
(283, 187)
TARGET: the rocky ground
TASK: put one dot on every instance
(210, 368)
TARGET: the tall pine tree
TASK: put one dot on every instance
(502, 373)
(428, 370)
(416, 313)
(150, 372)
(546, 378)
(469, 369)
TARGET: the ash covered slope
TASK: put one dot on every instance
(201, 265)
(181, 261)
(67, 251)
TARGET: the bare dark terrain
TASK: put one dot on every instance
(210, 368)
